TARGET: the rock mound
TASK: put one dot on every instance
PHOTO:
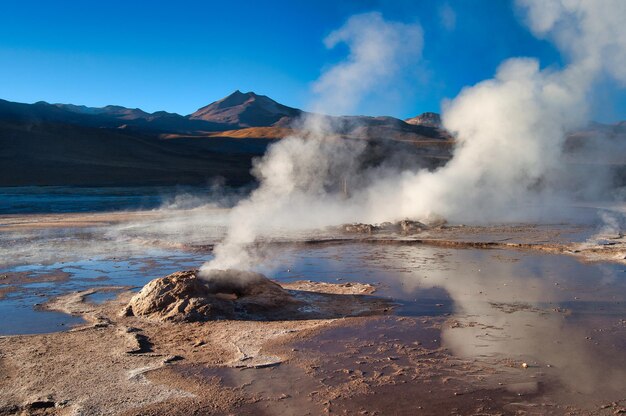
(188, 296)
(405, 227)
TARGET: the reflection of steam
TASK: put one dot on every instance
(508, 163)
(612, 227)
(512, 308)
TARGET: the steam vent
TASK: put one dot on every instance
(220, 294)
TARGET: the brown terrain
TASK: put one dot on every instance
(350, 357)
(49, 374)
(239, 343)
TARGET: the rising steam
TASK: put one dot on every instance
(300, 176)
(378, 51)
(508, 163)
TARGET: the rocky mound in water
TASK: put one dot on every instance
(219, 294)
(405, 227)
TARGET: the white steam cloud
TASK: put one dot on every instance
(508, 163)
(301, 176)
(378, 50)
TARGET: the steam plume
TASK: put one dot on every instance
(510, 132)
(511, 129)
(379, 49)
(300, 176)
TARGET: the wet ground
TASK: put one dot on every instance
(541, 330)
(33, 285)
(565, 319)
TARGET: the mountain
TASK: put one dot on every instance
(105, 117)
(67, 144)
(114, 111)
(246, 110)
(238, 111)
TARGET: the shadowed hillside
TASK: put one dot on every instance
(60, 154)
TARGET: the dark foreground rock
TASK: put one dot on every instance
(221, 294)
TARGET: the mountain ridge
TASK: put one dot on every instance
(236, 110)
(68, 144)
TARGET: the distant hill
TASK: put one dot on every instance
(105, 117)
(246, 110)
(67, 144)
(236, 111)
(61, 154)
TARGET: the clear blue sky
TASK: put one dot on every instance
(181, 55)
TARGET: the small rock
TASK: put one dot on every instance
(41, 404)
(131, 329)
(358, 228)
(411, 227)
(172, 358)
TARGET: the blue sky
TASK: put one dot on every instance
(181, 55)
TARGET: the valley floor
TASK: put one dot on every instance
(522, 319)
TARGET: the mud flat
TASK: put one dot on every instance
(352, 358)
(440, 319)
(12, 222)
(581, 241)
(105, 366)
(156, 229)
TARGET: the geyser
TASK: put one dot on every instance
(508, 164)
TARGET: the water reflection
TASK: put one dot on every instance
(566, 319)
(537, 309)
(38, 283)
(562, 317)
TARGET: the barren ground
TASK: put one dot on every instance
(376, 364)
